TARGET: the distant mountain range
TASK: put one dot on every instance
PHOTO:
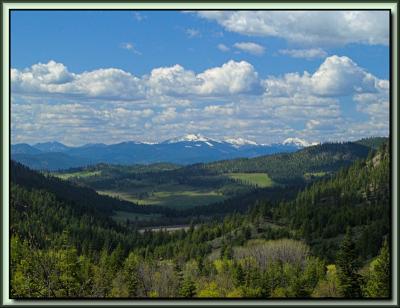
(188, 149)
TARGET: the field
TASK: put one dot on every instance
(78, 174)
(166, 228)
(314, 175)
(254, 179)
(175, 196)
(148, 185)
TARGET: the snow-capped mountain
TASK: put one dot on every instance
(238, 142)
(187, 149)
(190, 138)
(298, 142)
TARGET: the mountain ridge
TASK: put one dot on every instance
(188, 149)
(185, 150)
(56, 146)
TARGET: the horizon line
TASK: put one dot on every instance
(211, 139)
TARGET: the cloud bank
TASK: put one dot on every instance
(110, 105)
(312, 28)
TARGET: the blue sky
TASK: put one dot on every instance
(111, 76)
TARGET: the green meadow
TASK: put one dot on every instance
(253, 179)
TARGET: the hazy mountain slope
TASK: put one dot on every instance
(51, 147)
(24, 148)
(188, 149)
(50, 160)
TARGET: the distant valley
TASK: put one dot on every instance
(198, 185)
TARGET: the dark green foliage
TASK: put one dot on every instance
(188, 288)
(290, 167)
(356, 197)
(243, 202)
(87, 198)
(378, 280)
(373, 142)
(130, 273)
(348, 264)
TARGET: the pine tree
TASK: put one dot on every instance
(348, 265)
(188, 288)
(130, 273)
(378, 284)
(238, 274)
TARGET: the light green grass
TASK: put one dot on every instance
(256, 179)
(128, 196)
(166, 228)
(121, 216)
(78, 174)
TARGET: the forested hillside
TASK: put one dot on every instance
(316, 245)
(291, 167)
(356, 197)
(86, 199)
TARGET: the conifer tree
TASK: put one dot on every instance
(188, 288)
(130, 272)
(348, 265)
(378, 284)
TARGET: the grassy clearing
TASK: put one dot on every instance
(126, 196)
(121, 216)
(78, 174)
(175, 196)
(166, 228)
(314, 175)
(253, 179)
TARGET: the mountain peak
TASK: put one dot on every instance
(191, 138)
(240, 141)
(56, 143)
(296, 141)
(52, 146)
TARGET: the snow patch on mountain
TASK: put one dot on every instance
(240, 142)
(145, 142)
(191, 138)
(298, 142)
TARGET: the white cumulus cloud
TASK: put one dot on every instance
(230, 99)
(341, 76)
(54, 78)
(336, 76)
(41, 77)
(308, 27)
(173, 80)
(230, 78)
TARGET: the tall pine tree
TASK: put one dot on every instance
(378, 284)
(348, 265)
